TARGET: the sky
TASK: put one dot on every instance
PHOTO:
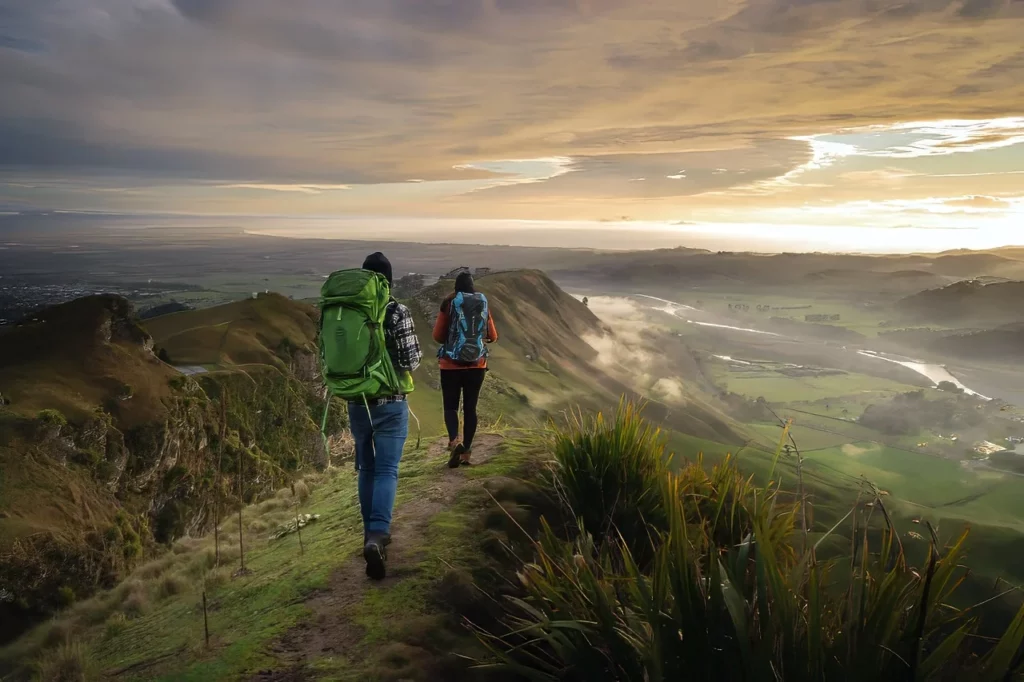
(873, 125)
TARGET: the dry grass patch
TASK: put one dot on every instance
(155, 568)
(172, 585)
(69, 662)
(116, 624)
(187, 545)
(219, 576)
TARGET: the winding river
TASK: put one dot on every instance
(934, 373)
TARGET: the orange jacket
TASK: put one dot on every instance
(441, 335)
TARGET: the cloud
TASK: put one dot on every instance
(303, 189)
(468, 96)
(977, 201)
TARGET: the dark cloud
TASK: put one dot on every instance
(371, 91)
(976, 9)
(660, 175)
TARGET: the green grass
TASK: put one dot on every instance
(779, 388)
(247, 613)
(723, 584)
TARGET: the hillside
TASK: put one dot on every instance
(250, 331)
(99, 437)
(514, 570)
(1003, 344)
(968, 302)
(107, 452)
(79, 356)
(548, 352)
(840, 274)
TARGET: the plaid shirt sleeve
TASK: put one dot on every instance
(403, 345)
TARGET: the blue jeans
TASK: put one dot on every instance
(378, 451)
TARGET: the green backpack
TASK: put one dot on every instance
(353, 354)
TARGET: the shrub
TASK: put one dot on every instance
(65, 596)
(709, 607)
(94, 610)
(52, 418)
(609, 474)
(301, 491)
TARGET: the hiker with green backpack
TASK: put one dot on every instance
(368, 350)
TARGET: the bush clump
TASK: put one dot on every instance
(52, 417)
(730, 588)
(69, 662)
(609, 474)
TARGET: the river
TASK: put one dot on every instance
(934, 373)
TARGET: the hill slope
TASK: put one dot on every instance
(882, 276)
(106, 451)
(250, 331)
(1000, 344)
(968, 302)
(548, 352)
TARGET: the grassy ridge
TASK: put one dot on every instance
(250, 331)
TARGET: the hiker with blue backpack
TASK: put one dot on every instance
(368, 350)
(464, 327)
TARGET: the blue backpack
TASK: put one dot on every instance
(467, 329)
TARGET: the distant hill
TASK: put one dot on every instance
(1001, 344)
(968, 302)
(250, 331)
(164, 309)
(82, 355)
(896, 282)
(544, 352)
(842, 273)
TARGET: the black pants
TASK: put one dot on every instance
(464, 383)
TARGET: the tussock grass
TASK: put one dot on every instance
(172, 585)
(302, 492)
(69, 662)
(59, 632)
(116, 624)
(218, 576)
(258, 526)
(135, 601)
(187, 545)
(704, 576)
(274, 504)
(155, 568)
(609, 473)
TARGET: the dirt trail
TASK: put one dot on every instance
(329, 630)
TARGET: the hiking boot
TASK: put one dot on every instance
(457, 453)
(385, 538)
(375, 555)
(464, 459)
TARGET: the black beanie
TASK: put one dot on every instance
(377, 262)
(464, 283)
